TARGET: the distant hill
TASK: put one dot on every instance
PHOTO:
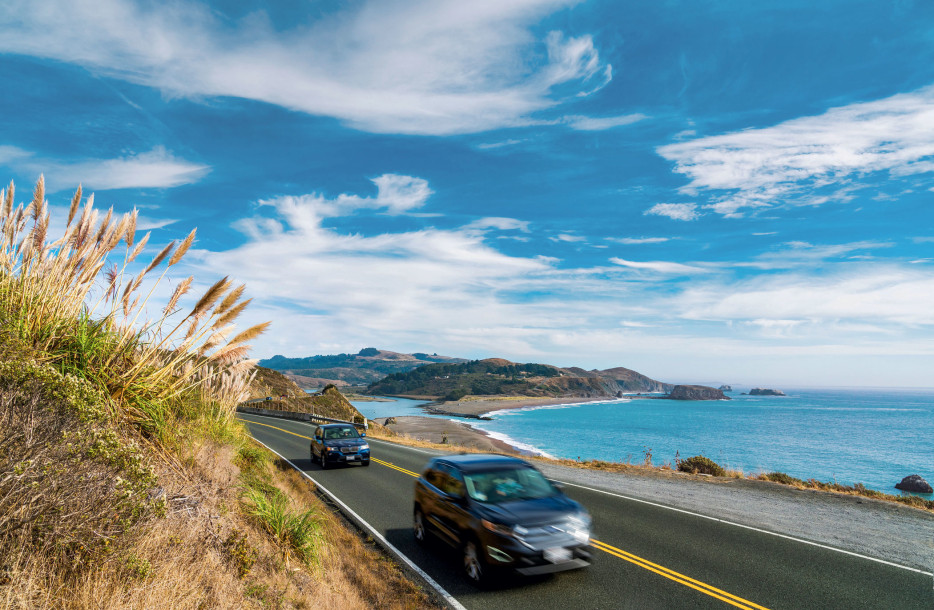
(365, 367)
(496, 376)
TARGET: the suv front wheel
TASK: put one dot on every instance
(475, 567)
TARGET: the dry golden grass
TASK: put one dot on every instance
(185, 560)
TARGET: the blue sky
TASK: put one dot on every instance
(716, 192)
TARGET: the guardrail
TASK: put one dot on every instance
(309, 417)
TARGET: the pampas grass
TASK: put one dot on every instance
(147, 367)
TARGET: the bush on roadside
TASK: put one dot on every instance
(781, 477)
(701, 465)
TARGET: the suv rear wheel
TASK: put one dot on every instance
(418, 527)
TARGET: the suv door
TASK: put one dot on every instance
(451, 508)
(316, 443)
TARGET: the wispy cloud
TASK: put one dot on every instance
(586, 123)
(638, 240)
(880, 295)
(501, 224)
(659, 266)
(157, 168)
(421, 67)
(759, 168)
(569, 238)
(675, 211)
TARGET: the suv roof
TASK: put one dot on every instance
(337, 425)
(473, 462)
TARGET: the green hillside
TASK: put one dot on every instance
(366, 366)
(498, 377)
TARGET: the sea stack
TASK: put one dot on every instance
(765, 392)
(696, 392)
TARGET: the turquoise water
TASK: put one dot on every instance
(873, 437)
(397, 406)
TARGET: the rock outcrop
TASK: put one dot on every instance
(765, 392)
(696, 392)
(726, 388)
(915, 483)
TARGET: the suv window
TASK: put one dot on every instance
(433, 477)
(451, 480)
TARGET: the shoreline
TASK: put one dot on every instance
(479, 408)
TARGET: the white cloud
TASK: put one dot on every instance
(145, 223)
(585, 123)
(659, 266)
(419, 67)
(787, 162)
(157, 168)
(879, 296)
(675, 211)
(569, 238)
(500, 224)
(639, 240)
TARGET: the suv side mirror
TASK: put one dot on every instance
(363, 434)
(318, 437)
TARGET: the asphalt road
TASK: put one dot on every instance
(645, 556)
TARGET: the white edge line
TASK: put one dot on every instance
(431, 581)
(749, 527)
(687, 512)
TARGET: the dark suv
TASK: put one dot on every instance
(500, 512)
(339, 444)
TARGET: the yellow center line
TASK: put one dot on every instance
(249, 421)
(394, 467)
(687, 581)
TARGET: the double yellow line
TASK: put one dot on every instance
(394, 467)
(687, 581)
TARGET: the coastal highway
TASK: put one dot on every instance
(646, 556)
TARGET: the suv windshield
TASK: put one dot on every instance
(508, 485)
(332, 434)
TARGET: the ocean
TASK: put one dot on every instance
(870, 436)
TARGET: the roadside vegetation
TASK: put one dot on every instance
(125, 479)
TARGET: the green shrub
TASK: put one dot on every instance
(781, 477)
(701, 465)
(241, 554)
(455, 394)
(270, 508)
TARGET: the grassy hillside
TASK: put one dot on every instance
(287, 396)
(498, 377)
(125, 479)
(364, 367)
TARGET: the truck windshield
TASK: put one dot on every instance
(499, 486)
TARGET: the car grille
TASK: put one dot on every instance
(350, 449)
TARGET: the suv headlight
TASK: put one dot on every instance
(579, 527)
(364, 447)
(497, 528)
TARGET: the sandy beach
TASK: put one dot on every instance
(433, 429)
(473, 407)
